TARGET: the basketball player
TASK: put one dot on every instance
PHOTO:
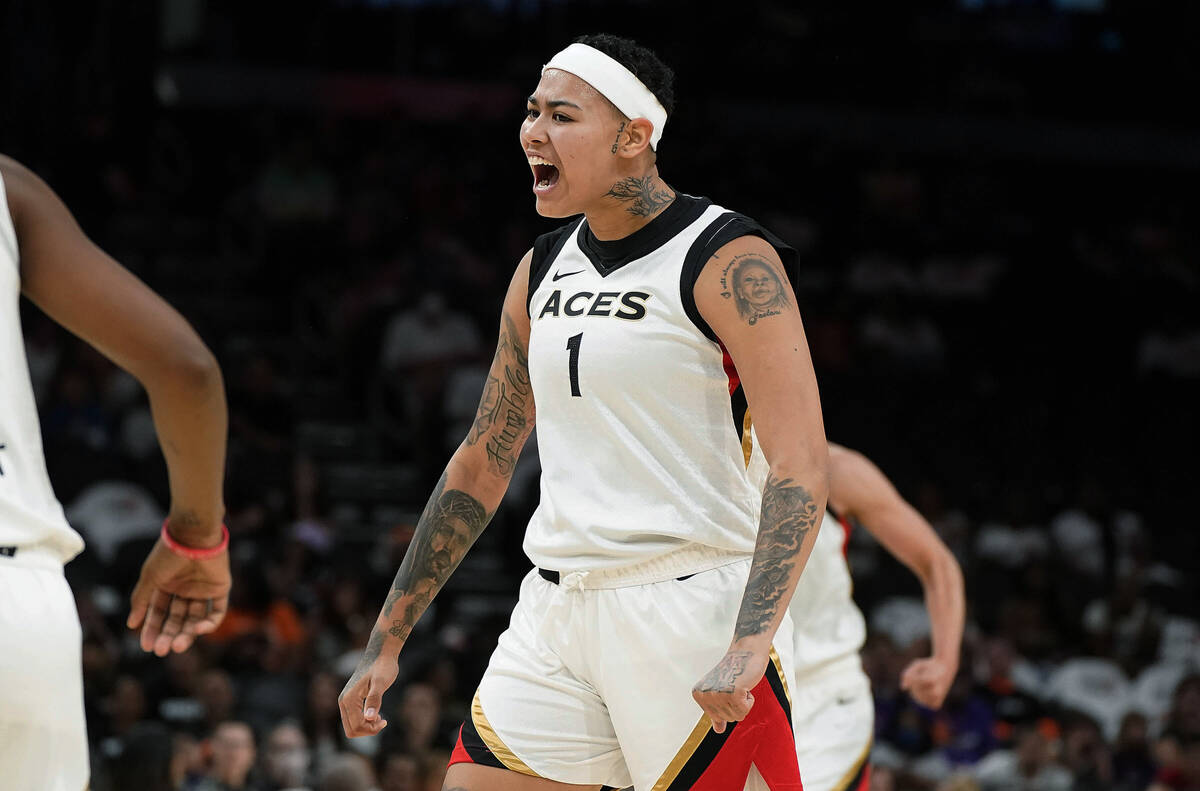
(649, 646)
(184, 585)
(834, 712)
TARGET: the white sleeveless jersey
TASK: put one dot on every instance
(828, 624)
(638, 437)
(29, 512)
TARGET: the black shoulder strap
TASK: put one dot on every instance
(545, 249)
(720, 232)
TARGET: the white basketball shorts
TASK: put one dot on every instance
(592, 683)
(834, 716)
(43, 736)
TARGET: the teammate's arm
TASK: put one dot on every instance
(93, 296)
(463, 502)
(858, 489)
(757, 320)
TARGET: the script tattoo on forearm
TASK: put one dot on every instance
(506, 409)
(645, 196)
(755, 287)
(788, 513)
(449, 525)
(723, 677)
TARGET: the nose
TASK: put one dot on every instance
(533, 131)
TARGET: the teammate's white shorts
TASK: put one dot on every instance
(592, 683)
(834, 716)
(43, 736)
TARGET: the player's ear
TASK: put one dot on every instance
(635, 139)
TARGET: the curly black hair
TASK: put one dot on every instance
(645, 65)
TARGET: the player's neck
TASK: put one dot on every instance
(630, 204)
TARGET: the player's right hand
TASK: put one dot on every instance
(362, 697)
(177, 599)
(724, 693)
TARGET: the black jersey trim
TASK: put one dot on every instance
(720, 232)
(608, 257)
(545, 249)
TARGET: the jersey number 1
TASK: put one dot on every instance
(573, 362)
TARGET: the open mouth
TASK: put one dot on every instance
(545, 175)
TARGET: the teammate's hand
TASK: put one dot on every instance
(928, 681)
(177, 599)
(724, 693)
(362, 697)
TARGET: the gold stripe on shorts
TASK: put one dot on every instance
(685, 753)
(855, 768)
(747, 442)
(494, 742)
(782, 676)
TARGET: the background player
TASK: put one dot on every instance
(834, 712)
(184, 585)
(645, 536)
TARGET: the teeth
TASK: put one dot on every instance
(539, 161)
(544, 183)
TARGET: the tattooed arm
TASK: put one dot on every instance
(744, 296)
(462, 503)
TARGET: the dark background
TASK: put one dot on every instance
(996, 209)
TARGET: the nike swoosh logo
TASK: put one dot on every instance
(560, 275)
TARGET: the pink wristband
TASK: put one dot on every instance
(191, 553)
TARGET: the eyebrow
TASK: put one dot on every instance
(553, 103)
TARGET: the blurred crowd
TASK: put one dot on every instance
(1013, 340)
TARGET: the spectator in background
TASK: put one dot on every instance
(1029, 766)
(1085, 754)
(233, 755)
(421, 725)
(217, 697)
(1132, 763)
(144, 762)
(187, 760)
(346, 772)
(1183, 721)
(399, 772)
(286, 758)
(322, 719)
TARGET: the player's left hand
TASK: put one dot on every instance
(724, 693)
(176, 599)
(928, 681)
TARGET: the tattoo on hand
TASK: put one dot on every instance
(617, 139)
(755, 287)
(506, 410)
(788, 513)
(724, 676)
(645, 196)
(449, 525)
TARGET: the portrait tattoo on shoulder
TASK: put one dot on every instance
(755, 288)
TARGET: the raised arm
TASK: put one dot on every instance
(93, 296)
(757, 320)
(859, 490)
(462, 503)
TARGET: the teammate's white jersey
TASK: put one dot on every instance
(828, 624)
(29, 512)
(638, 438)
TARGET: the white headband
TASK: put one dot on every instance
(615, 82)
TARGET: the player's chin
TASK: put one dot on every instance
(554, 209)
